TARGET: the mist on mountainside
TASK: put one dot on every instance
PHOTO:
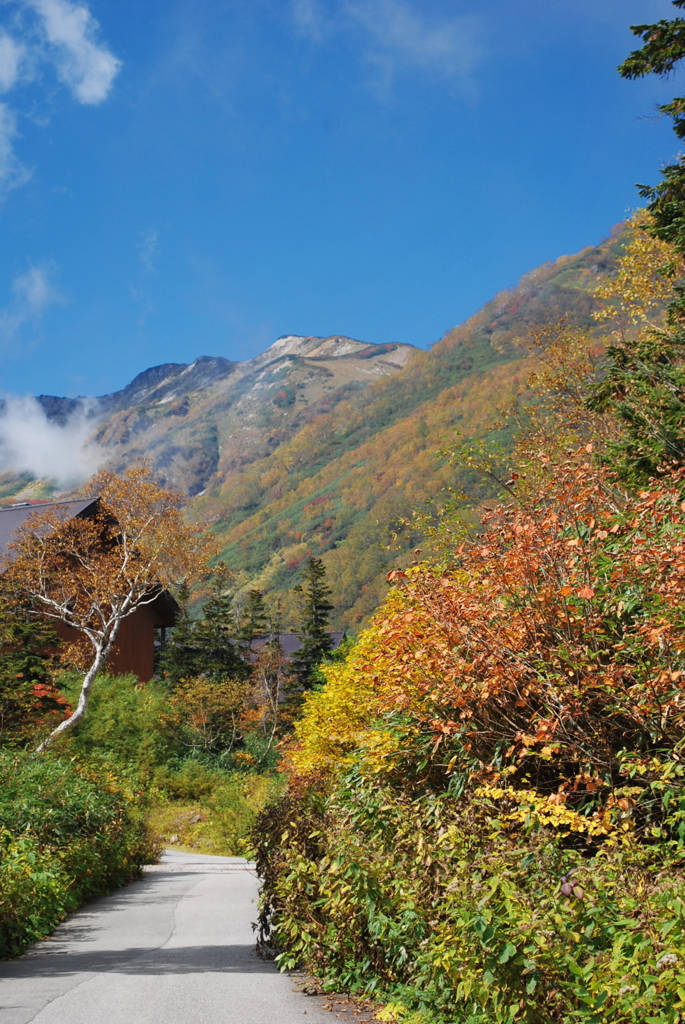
(58, 450)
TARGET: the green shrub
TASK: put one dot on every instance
(125, 724)
(186, 780)
(35, 893)
(434, 904)
(210, 811)
(68, 831)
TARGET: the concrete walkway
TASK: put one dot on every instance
(176, 947)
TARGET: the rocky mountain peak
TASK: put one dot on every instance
(313, 347)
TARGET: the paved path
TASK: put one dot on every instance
(176, 947)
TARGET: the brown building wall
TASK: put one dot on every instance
(135, 644)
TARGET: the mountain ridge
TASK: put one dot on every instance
(317, 446)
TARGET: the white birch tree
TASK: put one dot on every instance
(93, 572)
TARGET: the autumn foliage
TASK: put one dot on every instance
(494, 777)
(486, 811)
(92, 572)
(546, 659)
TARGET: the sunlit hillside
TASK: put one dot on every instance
(335, 488)
(320, 445)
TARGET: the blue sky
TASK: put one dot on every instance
(198, 177)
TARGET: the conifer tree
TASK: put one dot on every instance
(644, 387)
(255, 619)
(663, 49)
(215, 634)
(208, 645)
(178, 655)
(28, 651)
(316, 608)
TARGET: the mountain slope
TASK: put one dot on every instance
(198, 433)
(335, 488)
(318, 445)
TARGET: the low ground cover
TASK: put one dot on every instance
(219, 821)
(200, 799)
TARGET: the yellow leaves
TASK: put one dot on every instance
(643, 285)
(377, 748)
(335, 719)
(551, 811)
(391, 1013)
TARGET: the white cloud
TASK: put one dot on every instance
(12, 172)
(48, 32)
(11, 56)
(34, 291)
(396, 35)
(31, 443)
(311, 21)
(148, 249)
(84, 65)
(448, 46)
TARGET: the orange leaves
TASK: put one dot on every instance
(538, 659)
(93, 570)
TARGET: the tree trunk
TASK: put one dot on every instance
(100, 659)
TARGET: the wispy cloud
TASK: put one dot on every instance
(11, 56)
(447, 46)
(396, 36)
(33, 293)
(13, 172)
(48, 34)
(148, 249)
(84, 65)
(31, 443)
(311, 21)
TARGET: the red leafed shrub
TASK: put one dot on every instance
(555, 643)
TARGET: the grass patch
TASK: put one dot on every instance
(217, 816)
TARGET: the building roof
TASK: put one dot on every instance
(166, 608)
(291, 642)
(13, 517)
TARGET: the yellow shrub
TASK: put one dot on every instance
(335, 718)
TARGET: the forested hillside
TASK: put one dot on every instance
(318, 447)
(336, 487)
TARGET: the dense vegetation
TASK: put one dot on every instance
(187, 758)
(68, 831)
(485, 816)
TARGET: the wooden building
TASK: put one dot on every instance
(135, 644)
